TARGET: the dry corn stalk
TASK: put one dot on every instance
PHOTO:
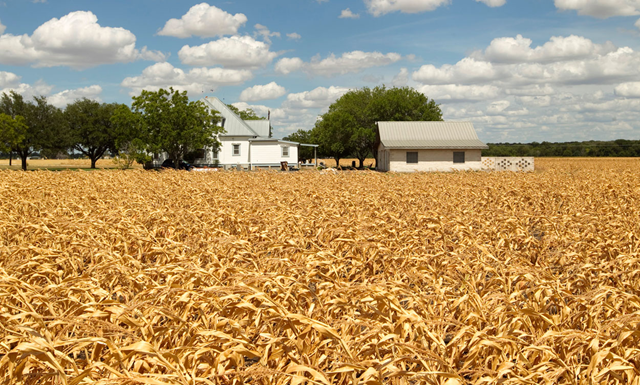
(355, 278)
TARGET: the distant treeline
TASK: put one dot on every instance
(592, 148)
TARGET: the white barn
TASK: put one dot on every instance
(429, 146)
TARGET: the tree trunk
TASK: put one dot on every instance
(93, 162)
(10, 157)
(374, 150)
(361, 166)
(24, 161)
(337, 162)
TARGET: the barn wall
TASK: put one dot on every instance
(383, 158)
(434, 160)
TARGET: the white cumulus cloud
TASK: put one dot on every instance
(195, 81)
(28, 91)
(204, 20)
(467, 70)
(294, 36)
(349, 62)
(558, 48)
(347, 14)
(287, 65)
(498, 106)
(75, 40)
(402, 78)
(230, 52)
(382, 7)
(261, 110)
(601, 8)
(266, 34)
(628, 90)
(460, 93)
(262, 92)
(320, 97)
(8, 79)
(63, 98)
(493, 3)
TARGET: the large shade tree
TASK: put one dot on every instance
(45, 129)
(90, 127)
(131, 137)
(355, 115)
(12, 131)
(175, 125)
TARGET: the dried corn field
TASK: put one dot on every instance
(133, 277)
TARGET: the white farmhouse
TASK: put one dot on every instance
(245, 143)
(429, 146)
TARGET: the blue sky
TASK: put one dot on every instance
(520, 70)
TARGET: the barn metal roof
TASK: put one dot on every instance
(430, 135)
(233, 125)
(260, 127)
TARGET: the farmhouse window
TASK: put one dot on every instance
(412, 157)
(236, 150)
(458, 157)
(215, 153)
(285, 151)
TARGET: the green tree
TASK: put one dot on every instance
(247, 114)
(302, 136)
(334, 134)
(91, 129)
(130, 137)
(367, 106)
(12, 131)
(45, 127)
(174, 125)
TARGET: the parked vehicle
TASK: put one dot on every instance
(182, 166)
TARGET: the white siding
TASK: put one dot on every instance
(433, 160)
(270, 153)
(225, 156)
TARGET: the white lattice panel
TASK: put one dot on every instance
(509, 164)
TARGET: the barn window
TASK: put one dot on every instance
(458, 157)
(285, 151)
(412, 157)
(236, 150)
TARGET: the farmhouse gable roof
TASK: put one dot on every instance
(233, 124)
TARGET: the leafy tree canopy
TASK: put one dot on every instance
(302, 136)
(175, 125)
(90, 127)
(349, 126)
(45, 125)
(247, 114)
(12, 131)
